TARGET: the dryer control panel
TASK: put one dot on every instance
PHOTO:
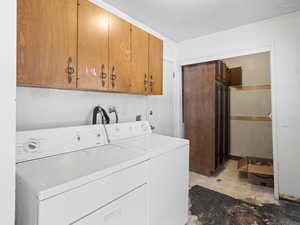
(127, 130)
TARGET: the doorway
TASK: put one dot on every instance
(250, 130)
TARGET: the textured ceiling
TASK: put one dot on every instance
(185, 19)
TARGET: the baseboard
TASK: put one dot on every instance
(234, 157)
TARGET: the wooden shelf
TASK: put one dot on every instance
(251, 118)
(250, 88)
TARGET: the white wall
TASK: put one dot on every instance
(45, 108)
(281, 35)
(162, 107)
(7, 113)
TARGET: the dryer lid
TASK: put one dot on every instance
(50, 176)
(153, 144)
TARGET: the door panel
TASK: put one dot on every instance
(47, 43)
(155, 65)
(219, 123)
(139, 64)
(119, 54)
(92, 46)
(199, 115)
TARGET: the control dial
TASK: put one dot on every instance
(31, 146)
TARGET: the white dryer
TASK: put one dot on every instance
(71, 176)
(168, 169)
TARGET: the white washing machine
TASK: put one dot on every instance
(168, 170)
(72, 176)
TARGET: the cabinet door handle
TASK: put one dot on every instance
(103, 75)
(113, 76)
(70, 70)
(151, 85)
(145, 83)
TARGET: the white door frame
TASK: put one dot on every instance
(8, 42)
(274, 93)
(174, 94)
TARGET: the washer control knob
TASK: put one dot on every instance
(31, 146)
(78, 137)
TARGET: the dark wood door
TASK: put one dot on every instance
(199, 115)
(219, 122)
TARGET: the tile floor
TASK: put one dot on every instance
(229, 183)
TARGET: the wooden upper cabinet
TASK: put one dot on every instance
(139, 64)
(119, 54)
(92, 46)
(75, 44)
(47, 43)
(155, 66)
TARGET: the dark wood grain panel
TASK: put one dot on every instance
(199, 115)
(235, 76)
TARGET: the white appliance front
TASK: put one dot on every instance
(70, 175)
(130, 209)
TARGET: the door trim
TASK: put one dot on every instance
(274, 96)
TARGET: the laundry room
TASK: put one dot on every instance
(150, 112)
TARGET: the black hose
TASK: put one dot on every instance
(104, 116)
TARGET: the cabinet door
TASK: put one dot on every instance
(119, 55)
(47, 43)
(155, 65)
(139, 64)
(92, 46)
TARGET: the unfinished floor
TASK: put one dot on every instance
(229, 183)
(213, 208)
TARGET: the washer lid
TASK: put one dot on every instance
(56, 174)
(154, 144)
